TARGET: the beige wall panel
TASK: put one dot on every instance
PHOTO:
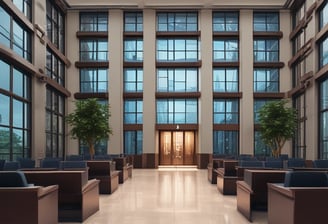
(72, 73)
(205, 81)
(246, 82)
(116, 80)
(150, 145)
(39, 89)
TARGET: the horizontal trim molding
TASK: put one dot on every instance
(176, 127)
(178, 95)
(91, 64)
(90, 95)
(217, 95)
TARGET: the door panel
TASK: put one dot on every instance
(177, 148)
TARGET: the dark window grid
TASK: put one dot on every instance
(323, 16)
(133, 115)
(55, 68)
(55, 132)
(226, 142)
(133, 142)
(267, 22)
(95, 53)
(257, 106)
(323, 53)
(173, 115)
(225, 81)
(21, 43)
(174, 22)
(21, 148)
(95, 82)
(228, 21)
(133, 22)
(55, 26)
(133, 83)
(25, 6)
(260, 148)
(98, 23)
(174, 82)
(229, 52)
(267, 83)
(228, 115)
(173, 52)
(269, 54)
(136, 50)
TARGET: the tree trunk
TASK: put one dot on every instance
(91, 149)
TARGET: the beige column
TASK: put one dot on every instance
(39, 88)
(150, 144)
(246, 82)
(115, 28)
(285, 55)
(72, 73)
(205, 114)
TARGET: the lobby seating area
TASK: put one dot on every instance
(275, 186)
(77, 184)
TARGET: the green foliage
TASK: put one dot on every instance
(90, 122)
(277, 124)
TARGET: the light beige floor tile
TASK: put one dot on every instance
(169, 196)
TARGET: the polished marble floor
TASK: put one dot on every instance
(169, 196)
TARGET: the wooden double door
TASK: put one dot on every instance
(177, 147)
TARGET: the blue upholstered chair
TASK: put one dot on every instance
(2, 163)
(284, 156)
(26, 163)
(295, 162)
(274, 164)
(76, 165)
(11, 166)
(13, 179)
(74, 158)
(305, 179)
(50, 163)
(250, 163)
(320, 163)
(86, 157)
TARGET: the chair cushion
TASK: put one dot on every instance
(305, 179)
(13, 179)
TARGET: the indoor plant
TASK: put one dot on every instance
(89, 122)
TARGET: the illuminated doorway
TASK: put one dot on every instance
(177, 148)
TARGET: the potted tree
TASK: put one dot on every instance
(89, 123)
(277, 125)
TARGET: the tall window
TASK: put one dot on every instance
(133, 49)
(323, 14)
(25, 6)
(266, 21)
(93, 50)
(323, 53)
(133, 142)
(133, 80)
(266, 50)
(177, 111)
(93, 22)
(266, 80)
(133, 22)
(133, 111)
(226, 111)
(15, 36)
(323, 114)
(225, 79)
(93, 80)
(225, 21)
(55, 68)
(177, 21)
(258, 103)
(15, 113)
(225, 142)
(177, 50)
(225, 50)
(56, 26)
(177, 80)
(260, 148)
(55, 127)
